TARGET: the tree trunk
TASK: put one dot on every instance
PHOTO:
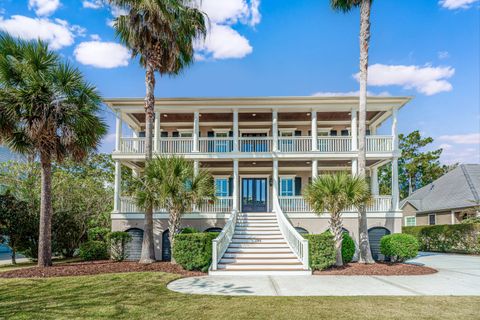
(148, 245)
(14, 254)
(45, 230)
(336, 228)
(173, 227)
(365, 255)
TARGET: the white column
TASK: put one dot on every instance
(117, 186)
(156, 128)
(374, 181)
(395, 190)
(236, 183)
(118, 130)
(394, 132)
(235, 130)
(275, 130)
(314, 169)
(196, 126)
(275, 181)
(314, 130)
(354, 166)
(353, 130)
(196, 167)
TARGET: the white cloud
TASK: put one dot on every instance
(223, 42)
(232, 11)
(349, 94)
(456, 4)
(93, 4)
(44, 7)
(427, 79)
(58, 33)
(443, 55)
(95, 37)
(469, 138)
(99, 54)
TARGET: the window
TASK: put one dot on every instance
(185, 134)
(221, 187)
(222, 144)
(287, 187)
(432, 219)
(410, 221)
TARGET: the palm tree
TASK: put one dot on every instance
(365, 255)
(335, 193)
(170, 183)
(161, 33)
(48, 110)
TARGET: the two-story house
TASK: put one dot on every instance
(262, 152)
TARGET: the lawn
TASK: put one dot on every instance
(144, 295)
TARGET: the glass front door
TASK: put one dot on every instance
(254, 194)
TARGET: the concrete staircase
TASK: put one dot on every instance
(259, 248)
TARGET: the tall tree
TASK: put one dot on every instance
(335, 193)
(170, 183)
(161, 33)
(417, 167)
(365, 255)
(47, 109)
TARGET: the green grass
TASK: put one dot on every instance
(19, 265)
(145, 296)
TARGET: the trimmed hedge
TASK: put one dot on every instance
(321, 249)
(457, 238)
(118, 241)
(193, 251)
(399, 247)
(348, 248)
(93, 250)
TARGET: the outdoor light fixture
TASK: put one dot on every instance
(254, 114)
(254, 163)
(165, 115)
(308, 113)
(308, 162)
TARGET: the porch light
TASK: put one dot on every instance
(308, 113)
(308, 162)
(254, 163)
(254, 114)
(165, 115)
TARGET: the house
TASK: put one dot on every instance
(262, 153)
(448, 200)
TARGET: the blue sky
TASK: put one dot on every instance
(427, 49)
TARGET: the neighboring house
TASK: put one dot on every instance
(448, 200)
(262, 153)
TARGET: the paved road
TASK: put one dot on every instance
(6, 258)
(458, 275)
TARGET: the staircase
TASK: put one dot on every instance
(258, 247)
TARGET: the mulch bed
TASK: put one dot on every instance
(96, 267)
(377, 269)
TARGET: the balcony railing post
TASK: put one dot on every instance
(196, 126)
(314, 130)
(118, 130)
(275, 130)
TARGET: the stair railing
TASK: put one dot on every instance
(220, 243)
(297, 243)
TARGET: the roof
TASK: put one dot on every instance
(459, 188)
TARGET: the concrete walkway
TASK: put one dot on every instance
(458, 275)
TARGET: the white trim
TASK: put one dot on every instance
(254, 130)
(243, 176)
(409, 217)
(187, 130)
(221, 130)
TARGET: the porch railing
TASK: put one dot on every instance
(297, 204)
(255, 144)
(379, 143)
(334, 144)
(220, 243)
(295, 144)
(176, 145)
(297, 243)
(217, 144)
(220, 205)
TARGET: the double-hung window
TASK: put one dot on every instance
(221, 187)
(221, 145)
(287, 186)
(410, 221)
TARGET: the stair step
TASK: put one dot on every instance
(259, 255)
(258, 240)
(257, 236)
(256, 232)
(267, 261)
(235, 266)
(259, 245)
(259, 250)
(258, 224)
(257, 217)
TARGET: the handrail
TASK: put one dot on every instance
(220, 243)
(297, 243)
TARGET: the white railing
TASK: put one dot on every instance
(213, 145)
(255, 144)
(379, 143)
(176, 145)
(334, 144)
(295, 144)
(297, 243)
(132, 145)
(294, 204)
(128, 205)
(220, 243)
(221, 204)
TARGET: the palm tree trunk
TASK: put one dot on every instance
(173, 227)
(148, 246)
(336, 229)
(45, 230)
(365, 255)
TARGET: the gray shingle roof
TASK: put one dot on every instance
(458, 188)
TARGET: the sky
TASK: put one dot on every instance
(427, 49)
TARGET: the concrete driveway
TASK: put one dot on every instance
(458, 275)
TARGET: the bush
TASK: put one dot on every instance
(457, 238)
(93, 250)
(321, 249)
(399, 247)
(471, 220)
(98, 234)
(193, 251)
(189, 230)
(118, 241)
(348, 248)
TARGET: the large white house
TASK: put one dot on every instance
(262, 152)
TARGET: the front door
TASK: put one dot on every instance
(254, 194)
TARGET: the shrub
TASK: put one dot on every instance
(471, 220)
(193, 251)
(118, 241)
(98, 234)
(321, 249)
(457, 238)
(189, 230)
(348, 248)
(93, 250)
(399, 247)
